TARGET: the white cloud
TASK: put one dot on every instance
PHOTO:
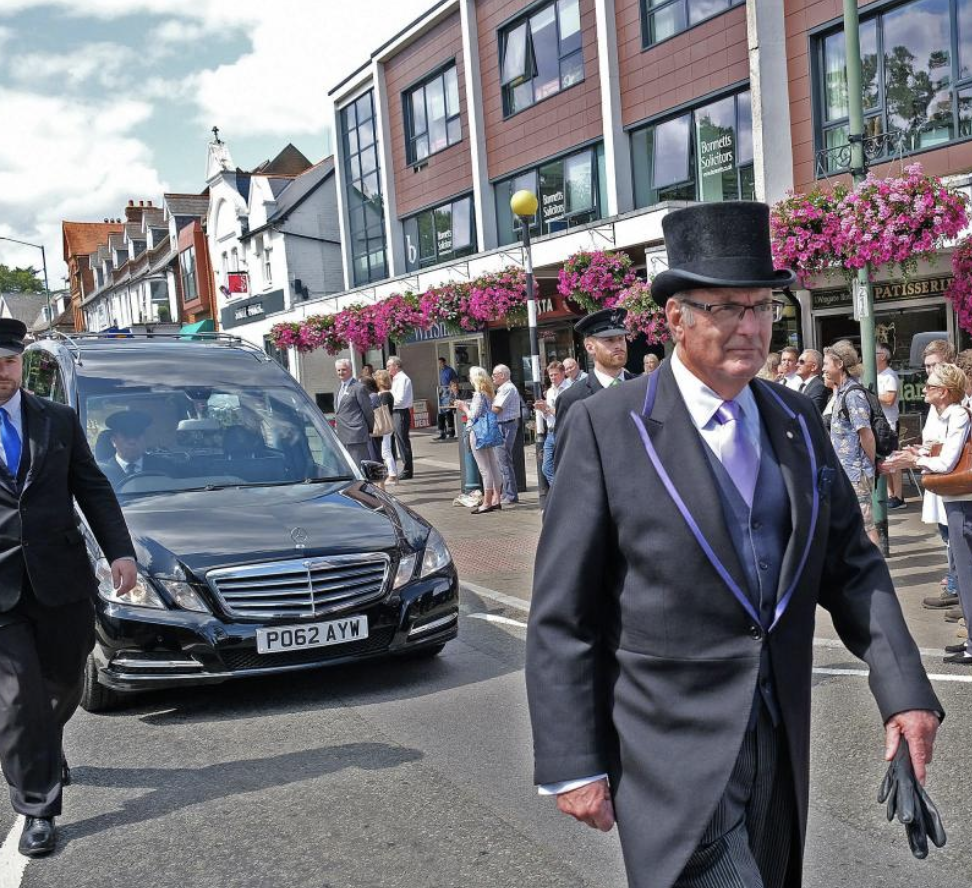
(61, 158)
(104, 64)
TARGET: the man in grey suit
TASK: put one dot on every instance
(353, 413)
(809, 365)
(670, 647)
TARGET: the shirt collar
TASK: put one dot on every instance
(125, 465)
(605, 379)
(13, 405)
(701, 401)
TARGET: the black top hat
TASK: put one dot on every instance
(12, 333)
(604, 323)
(718, 245)
(130, 423)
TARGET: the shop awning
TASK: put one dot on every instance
(188, 330)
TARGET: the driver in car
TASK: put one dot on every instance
(127, 429)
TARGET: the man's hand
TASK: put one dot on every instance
(918, 726)
(123, 575)
(590, 803)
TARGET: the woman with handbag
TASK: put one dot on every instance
(484, 437)
(383, 423)
(947, 472)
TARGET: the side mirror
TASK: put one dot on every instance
(374, 471)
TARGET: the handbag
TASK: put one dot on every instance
(958, 482)
(383, 422)
(487, 431)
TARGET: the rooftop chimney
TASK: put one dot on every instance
(131, 203)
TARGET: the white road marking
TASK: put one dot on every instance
(12, 862)
(496, 618)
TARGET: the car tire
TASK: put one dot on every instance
(95, 697)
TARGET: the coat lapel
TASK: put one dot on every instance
(38, 434)
(675, 448)
(794, 451)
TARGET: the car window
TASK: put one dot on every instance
(152, 437)
(42, 376)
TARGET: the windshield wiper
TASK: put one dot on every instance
(328, 479)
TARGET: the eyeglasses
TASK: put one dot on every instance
(733, 312)
(931, 385)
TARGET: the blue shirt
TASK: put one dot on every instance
(446, 375)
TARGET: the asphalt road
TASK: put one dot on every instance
(418, 774)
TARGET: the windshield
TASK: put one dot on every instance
(155, 437)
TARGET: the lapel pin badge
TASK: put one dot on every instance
(789, 435)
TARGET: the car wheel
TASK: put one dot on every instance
(95, 697)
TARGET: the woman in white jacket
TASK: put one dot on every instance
(945, 391)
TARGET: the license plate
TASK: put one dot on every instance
(311, 635)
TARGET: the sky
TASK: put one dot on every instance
(110, 100)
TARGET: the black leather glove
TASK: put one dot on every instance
(907, 800)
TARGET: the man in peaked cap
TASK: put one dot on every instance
(670, 645)
(605, 340)
(47, 586)
(127, 429)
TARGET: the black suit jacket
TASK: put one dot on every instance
(642, 661)
(354, 416)
(817, 392)
(38, 527)
(113, 471)
(583, 388)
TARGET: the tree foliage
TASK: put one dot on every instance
(20, 280)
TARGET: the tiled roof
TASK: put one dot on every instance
(83, 238)
(187, 204)
(24, 306)
(301, 187)
(289, 162)
(134, 231)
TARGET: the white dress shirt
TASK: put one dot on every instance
(606, 380)
(702, 404)
(136, 466)
(793, 381)
(16, 420)
(401, 389)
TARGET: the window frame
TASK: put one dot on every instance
(879, 115)
(437, 257)
(649, 9)
(187, 268)
(412, 135)
(736, 92)
(523, 18)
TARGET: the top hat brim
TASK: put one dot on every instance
(674, 280)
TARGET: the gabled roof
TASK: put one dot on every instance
(289, 162)
(301, 188)
(187, 204)
(133, 231)
(84, 238)
(116, 241)
(24, 306)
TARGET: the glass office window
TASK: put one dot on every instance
(541, 55)
(432, 115)
(702, 154)
(569, 192)
(439, 234)
(917, 76)
(365, 206)
(661, 19)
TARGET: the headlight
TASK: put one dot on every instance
(406, 567)
(183, 595)
(143, 595)
(437, 555)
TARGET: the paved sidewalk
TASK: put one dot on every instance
(497, 550)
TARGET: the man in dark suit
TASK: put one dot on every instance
(353, 412)
(606, 341)
(809, 365)
(47, 585)
(128, 428)
(670, 647)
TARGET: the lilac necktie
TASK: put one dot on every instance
(739, 457)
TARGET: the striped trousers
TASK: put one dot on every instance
(749, 840)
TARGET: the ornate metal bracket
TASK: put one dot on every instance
(877, 148)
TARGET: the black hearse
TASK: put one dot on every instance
(262, 547)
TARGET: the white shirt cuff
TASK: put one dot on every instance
(548, 789)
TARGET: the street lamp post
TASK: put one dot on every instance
(47, 289)
(524, 205)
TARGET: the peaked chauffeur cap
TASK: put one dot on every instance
(606, 322)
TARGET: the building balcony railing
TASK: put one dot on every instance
(881, 147)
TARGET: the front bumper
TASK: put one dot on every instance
(140, 649)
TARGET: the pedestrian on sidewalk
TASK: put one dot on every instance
(446, 420)
(402, 414)
(353, 413)
(548, 407)
(573, 372)
(698, 520)
(385, 397)
(945, 391)
(508, 407)
(888, 386)
(47, 587)
(809, 365)
(487, 457)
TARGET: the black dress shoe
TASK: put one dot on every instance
(38, 837)
(955, 648)
(963, 658)
(405, 476)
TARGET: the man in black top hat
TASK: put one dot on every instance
(47, 586)
(670, 647)
(605, 339)
(128, 429)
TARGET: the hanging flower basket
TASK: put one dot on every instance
(317, 331)
(448, 304)
(400, 314)
(498, 296)
(645, 317)
(959, 291)
(882, 222)
(594, 280)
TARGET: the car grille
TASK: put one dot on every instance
(250, 659)
(300, 588)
